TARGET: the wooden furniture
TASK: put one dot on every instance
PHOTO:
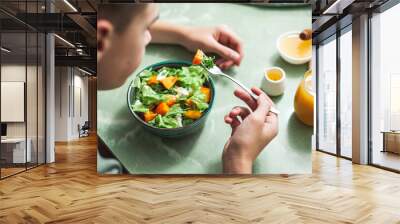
(391, 141)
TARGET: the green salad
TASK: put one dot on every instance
(171, 97)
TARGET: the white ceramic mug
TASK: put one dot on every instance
(276, 86)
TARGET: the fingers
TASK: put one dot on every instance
(219, 61)
(263, 107)
(258, 92)
(232, 121)
(228, 46)
(243, 112)
(232, 40)
(232, 117)
(245, 97)
(225, 52)
(227, 64)
(224, 64)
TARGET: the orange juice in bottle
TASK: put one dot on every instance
(304, 100)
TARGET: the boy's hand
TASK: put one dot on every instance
(249, 136)
(220, 40)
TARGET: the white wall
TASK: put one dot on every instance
(69, 82)
(62, 81)
(80, 83)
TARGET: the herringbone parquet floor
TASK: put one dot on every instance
(70, 191)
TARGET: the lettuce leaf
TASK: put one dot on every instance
(137, 83)
(174, 110)
(148, 96)
(199, 100)
(193, 77)
(146, 74)
(187, 121)
(165, 122)
(139, 107)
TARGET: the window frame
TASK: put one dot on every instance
(333, 37)
(381, 9)
(27, 29)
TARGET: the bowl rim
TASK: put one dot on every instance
(297, 59)
(168, 62)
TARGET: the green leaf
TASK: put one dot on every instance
(137, 82)
(199, 100)
(174, 110)
(146, 74)
(139, 107)
(165, 122)
(193, 77)
(187, 121)
(208, 62)
(149, 96)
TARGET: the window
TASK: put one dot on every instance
(385, 89)
(327, 96)
(22, 87)
(346, 95)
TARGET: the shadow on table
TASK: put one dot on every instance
(145, 152)
(290, 70)
(170, 52)
(276, 99)
(299, 134)
(215, 167)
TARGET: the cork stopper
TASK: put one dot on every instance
(306, 34)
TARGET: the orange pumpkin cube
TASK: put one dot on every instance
(169, 81)
(198, 57)
(207, 92)
(162, 108)
(192, 114)
(153, 80)
(149, 115)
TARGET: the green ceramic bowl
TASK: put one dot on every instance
(171, 132)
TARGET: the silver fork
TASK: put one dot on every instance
(215, 70)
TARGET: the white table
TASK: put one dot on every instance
(19, 155)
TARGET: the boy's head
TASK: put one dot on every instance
(122, 35)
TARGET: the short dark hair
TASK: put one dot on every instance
(120, 14)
